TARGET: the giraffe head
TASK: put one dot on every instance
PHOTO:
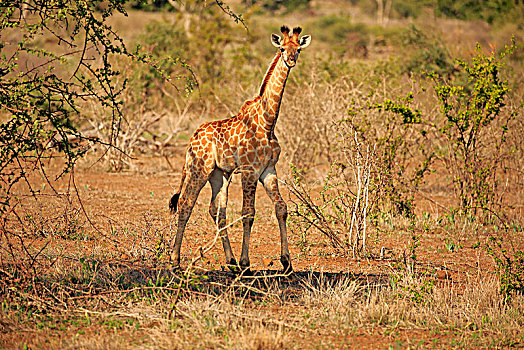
(290, 45)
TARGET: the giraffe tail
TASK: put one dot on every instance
(174, 200)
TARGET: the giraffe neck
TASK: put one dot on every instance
(271, 92)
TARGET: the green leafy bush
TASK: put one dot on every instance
(40, 103)
(410, 9)
(510, 267)
(352, 38)
(468, 135)
(473, 127)
(205, 40)
(400, 148)
(425, 54)
(277, 5)
(490, 10)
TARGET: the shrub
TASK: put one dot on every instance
(491, 11)
(341, 209)
(425, 54)
(472, 127)
(41, 103)
(377, 157)
(402, 156)
(410, 9)
(279, 5)
(510, 267)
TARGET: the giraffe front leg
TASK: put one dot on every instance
(249, 187)
(270, 182)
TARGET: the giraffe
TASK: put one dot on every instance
(244, 142)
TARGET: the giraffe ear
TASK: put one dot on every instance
(305, 41)
(276, 40)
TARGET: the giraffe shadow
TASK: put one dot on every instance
(261, 283)
(294, 284)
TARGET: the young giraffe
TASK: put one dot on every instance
(246, 142)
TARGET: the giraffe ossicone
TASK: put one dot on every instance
(244, 142)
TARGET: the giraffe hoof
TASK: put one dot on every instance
(287, 270)
(246, 271)
(233, 268)
(244, 266)
(174, 262)
(286, 264)
(174, 268)
(232, 265)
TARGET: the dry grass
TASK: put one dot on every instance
(225, 315)
(473, 305)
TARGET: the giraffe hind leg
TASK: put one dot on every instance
(217, 210)
(186, 203)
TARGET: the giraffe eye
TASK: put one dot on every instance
(282, 49)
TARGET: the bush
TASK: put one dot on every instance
(207, 41)
(410, 9)
(468, 134)
(42, 105)
(472, 127)
(155, 5)
(490, 11)
(279, 5)
(395, 128)
(425, 54)
(377, 157)
(510, 267)
(341, 209)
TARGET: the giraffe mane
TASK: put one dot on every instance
(269, 73)
(247, 104)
